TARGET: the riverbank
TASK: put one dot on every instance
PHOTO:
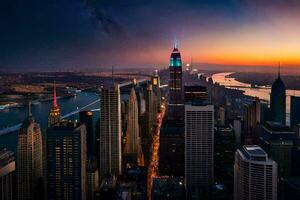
(263, 92)
(292, 82)
(17, 100)
(69, 109)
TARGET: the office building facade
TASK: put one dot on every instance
(110, 131)
(65, 163)
(199, 149)
(255, 174)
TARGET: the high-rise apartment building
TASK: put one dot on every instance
(66, 159)
(255, 175)
(29, 160)
(7, 175)
(110, 131)
(199, 148)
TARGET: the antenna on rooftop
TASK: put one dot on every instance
(113, 74)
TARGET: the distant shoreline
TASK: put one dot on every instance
(292, 82)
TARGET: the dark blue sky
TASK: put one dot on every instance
(69, 34)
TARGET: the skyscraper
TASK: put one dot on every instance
(110, 131)
(278, 101)
(86, 117)
(251, 122)
(237, 126)
(133, 141)
(175, 106)
(295, 112)
(147, 122)
(155, 81)
(29, 160)
(7, 175)
(278, 141)
(199, 148)
(65, 148)
(132, 135)
(92, 179)
(255, 175)
(149, 111)
(54, 115)
(92, 172)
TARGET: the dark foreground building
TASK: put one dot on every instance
(66, 161)
(171, 149)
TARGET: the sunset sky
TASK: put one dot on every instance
(67, 34)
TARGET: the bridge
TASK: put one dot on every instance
(18, 126)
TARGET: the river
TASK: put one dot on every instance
(262, 92)
(40, 111)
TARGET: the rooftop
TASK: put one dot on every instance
(254, 152)
(6, 157)
(277, 127)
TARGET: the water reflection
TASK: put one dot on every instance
(262, 92)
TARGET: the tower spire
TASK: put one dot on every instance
(279, 68)
(29, 109)
(176, 43)
(113, 75)
(54, 115)
(54, 95)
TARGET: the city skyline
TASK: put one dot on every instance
(150, 100)
(91, 34)
(174, 128)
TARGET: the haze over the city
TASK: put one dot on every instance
(81, 34)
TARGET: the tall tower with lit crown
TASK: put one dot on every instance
(175, 106)
(54, 115)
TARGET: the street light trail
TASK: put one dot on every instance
(153, 165)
